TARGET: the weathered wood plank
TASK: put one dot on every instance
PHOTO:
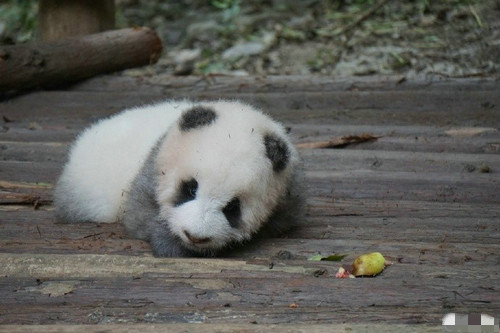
(435, 240)
(34, 151)
(335, 173)
(101, 266)
(35, 227)
(362, 184)
(224, 291)
(475, 246)
(404, 186)
(488, 144)
(349, 225)
(106, 312)
(30, 172)
(223, 328)
(418, 194)
(365, 156)
(448, 108)
(228, 85)
(474, 256)
(39, 145)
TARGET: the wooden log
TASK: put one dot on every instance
(55, 63)
(61, 19)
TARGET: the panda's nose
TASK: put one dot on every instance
(196, 240)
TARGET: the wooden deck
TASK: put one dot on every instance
(426, 194)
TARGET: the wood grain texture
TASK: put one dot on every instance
(221, 328)
(425, 194)
(61, 19)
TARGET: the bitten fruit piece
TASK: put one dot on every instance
(368, 264)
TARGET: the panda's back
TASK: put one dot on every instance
(105, 159)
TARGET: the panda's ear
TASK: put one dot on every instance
(277, 151)
(197, 116)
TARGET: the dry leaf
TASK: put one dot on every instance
(332, 257)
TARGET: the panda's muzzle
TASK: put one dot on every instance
(196, 240)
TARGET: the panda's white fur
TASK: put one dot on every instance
(137, 167)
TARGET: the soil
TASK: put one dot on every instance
(452, 38)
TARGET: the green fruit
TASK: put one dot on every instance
(368, 264)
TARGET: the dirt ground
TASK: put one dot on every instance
(452, 38)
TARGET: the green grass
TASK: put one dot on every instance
(19, 20)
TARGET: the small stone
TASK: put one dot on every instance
(185, 55)
(243, 50)
(484, 168)
(184, 60)
(33, 126)
(203, 31)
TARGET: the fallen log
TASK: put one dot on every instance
(49, 64)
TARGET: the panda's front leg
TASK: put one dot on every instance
(163, 242)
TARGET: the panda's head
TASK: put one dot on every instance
(222, 168)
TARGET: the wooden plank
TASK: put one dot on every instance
(108, 312)
(229, 85)
(476, 250)
(55, 139)
(336, 173)
(34, 151)
(331, 207)
(321, 223)
(324, 207)
(101, 266)
(197, 273)
(30, 172)
(333, 235)
(177, 286)
(26, 143)
(384, 160)
(368, 184)
(344, 232)
(417, 195)
(405, 186)
(18, 156)
(357, 156)
(432, 230)
(223, 328)
(472, 108)
(342, 226)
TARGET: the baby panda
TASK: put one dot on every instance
(192, 178)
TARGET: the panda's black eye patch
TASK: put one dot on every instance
(187, 191)
(232, 212)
